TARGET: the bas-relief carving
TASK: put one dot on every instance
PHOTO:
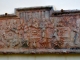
(56, 33)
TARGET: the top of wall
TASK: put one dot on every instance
(34, 8)
(8, 16)
(64, 12)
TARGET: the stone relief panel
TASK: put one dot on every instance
(56, 33)
(66, 28)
